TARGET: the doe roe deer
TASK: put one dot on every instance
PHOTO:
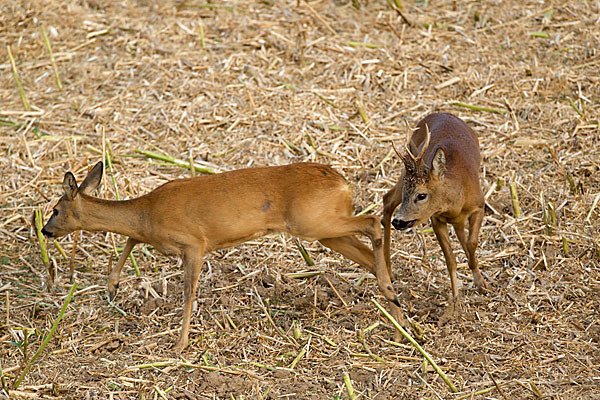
(440, 183)
(190, 217)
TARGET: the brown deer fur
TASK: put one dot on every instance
(441, 184)
(187, 218)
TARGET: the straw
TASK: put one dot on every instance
(417, 346)
(52, 60)
(144, 75)
(17, 79)
(47, 338)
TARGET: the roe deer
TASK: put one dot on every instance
(189, 217)
(441, 183)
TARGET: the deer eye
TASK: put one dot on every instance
(54, 212)
(421, 196)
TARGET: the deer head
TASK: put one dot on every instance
(423, 189)
(67, 213)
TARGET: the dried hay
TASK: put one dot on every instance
(237, 84)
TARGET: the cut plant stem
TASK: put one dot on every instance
(258, 365)
(73, 252)
(52, 60)
(289, 86)
(514, 197)
(11, 123)
(480, 108)
(135, 265)
(311, 141)
(157, 364)
(539, 34)
(326, 100)
(398, 7)
(302, 275)
(291, 146)
(7, 308)
(349, 387)
(304, 253)
(366, 210)
(160, 392)
(113, 305)
(278, 329)
(202, 42)
(175, 161)
(42, 240)
(16, 76)
(298, 358)
(47, 338)
(3, 379)
(594, 204)
(417, 346)
(60, 249)
(571, 182)
(362, 341)
(360, 44)
(572, 104)
(233, 325)
(361, 111)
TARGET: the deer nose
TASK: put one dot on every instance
(46, 233)
(401, 224)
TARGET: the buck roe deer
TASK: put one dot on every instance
(189, 217)
(441, 183)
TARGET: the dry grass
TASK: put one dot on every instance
(237, 84)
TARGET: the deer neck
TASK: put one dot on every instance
(123, 217)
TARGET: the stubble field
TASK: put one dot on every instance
(239, 84)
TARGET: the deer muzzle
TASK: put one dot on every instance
(402, 225)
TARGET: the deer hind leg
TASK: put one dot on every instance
(353, 249)
(391, 200)
(368, 225)
(192, 265)
(334, 232)
(113, 278)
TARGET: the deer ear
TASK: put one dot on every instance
(92, 180)
(438, 165)
(70, 186)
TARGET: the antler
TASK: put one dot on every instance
(423, 148)
(426, 145)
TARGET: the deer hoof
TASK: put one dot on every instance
(112, 292)
(452, 311)
(482, 286)
(179, 346)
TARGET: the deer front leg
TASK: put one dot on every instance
(391, 200)
(192, 264)
(454, 306)
(441, 233)
(470, 245)
(475, 221)
(113, 278)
